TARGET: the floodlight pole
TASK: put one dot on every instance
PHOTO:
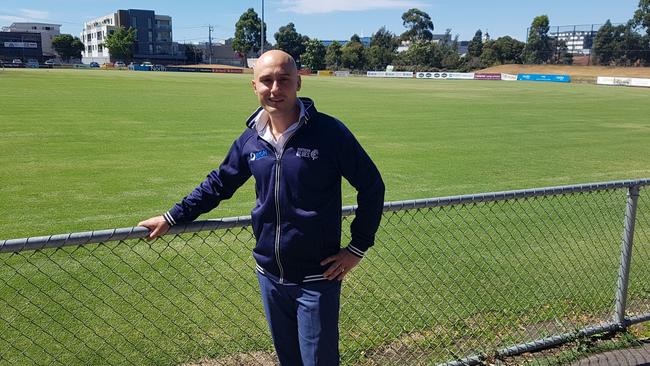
(262, 33)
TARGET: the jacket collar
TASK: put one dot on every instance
(310, 112)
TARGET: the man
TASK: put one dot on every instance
(297, 156)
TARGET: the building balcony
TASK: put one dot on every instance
(161, 27)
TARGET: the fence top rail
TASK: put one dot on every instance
(101, 236)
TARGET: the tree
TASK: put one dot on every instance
(618, 45)
(193, 53)
(538, 49)
(290, 41)
(120, 43)
(352, 54)
(382, 49)
(248, 31)
(508, 49)
(420, 56)
(314, 55)
(641, 17)
(490, 55)
(333, 56)
(475, 47)
(419, 26)
(67, 46)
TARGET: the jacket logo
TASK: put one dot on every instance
(307, 153)
(258, 155)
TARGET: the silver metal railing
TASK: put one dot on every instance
(453, 280)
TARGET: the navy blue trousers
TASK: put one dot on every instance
(304, 320)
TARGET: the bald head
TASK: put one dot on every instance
(276, 83)
(275, 58)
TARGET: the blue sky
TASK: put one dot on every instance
(329, 19)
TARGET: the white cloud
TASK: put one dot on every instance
(35, 14)
(320, 6)
(25, 15)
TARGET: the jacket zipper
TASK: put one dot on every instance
(277, 204)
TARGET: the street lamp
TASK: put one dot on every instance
(262, 33)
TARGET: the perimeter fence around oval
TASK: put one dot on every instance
(455, 280)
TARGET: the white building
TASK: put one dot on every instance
(93, 36)
(577, 42)
(48, 32)
(153, 37)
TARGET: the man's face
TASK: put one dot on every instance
(276, 83)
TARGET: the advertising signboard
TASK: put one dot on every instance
(544, 77)
(441, 75)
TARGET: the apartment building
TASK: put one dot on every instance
(153, 41)
(47, 32)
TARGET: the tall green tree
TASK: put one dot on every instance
(475, 47)
(290, 41)
(641, 17)
(314, 55)
(418, 24)
(538, 46)
(618, 45)
(120, 43)
(248, 31)
(508, 49)
(381, 52)
(352, 54)
(67, 46)
(333, 56)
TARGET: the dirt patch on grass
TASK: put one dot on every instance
(577, 73)
(242, 359)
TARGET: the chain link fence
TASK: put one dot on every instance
(455, 281)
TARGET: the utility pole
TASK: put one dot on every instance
(262, 33)
(210, 29)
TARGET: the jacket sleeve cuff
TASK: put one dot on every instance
(169, 218)
(355, 251)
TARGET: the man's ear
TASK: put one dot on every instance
(254, 86)
(299, 83)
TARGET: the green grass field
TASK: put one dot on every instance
(92, 149)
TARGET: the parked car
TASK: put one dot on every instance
(119, 64)
(94, 64)
(52, 62)
(32, 63)
(17, 61)
(146, 63)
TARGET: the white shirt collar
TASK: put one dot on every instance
(262, 119)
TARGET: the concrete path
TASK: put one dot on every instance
(624, 357)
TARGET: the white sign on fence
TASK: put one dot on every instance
(445, 75)
(390, 74)
(508, 77)
(606, 80)
(341, 73)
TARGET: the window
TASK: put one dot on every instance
(150, 48)
(100, 48)
(90, 49)
(134, 22)
(149, 22)
(34, 27)
(47, 28)
(150, 36)
(99, 36)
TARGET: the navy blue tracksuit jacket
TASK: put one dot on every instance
(297, 214)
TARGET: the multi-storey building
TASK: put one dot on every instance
(20, 45)
(46, 30)
(153, 40)
(577, 42)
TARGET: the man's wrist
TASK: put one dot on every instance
(355, 251)
(168, 217)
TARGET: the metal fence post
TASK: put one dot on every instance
(626, 255)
